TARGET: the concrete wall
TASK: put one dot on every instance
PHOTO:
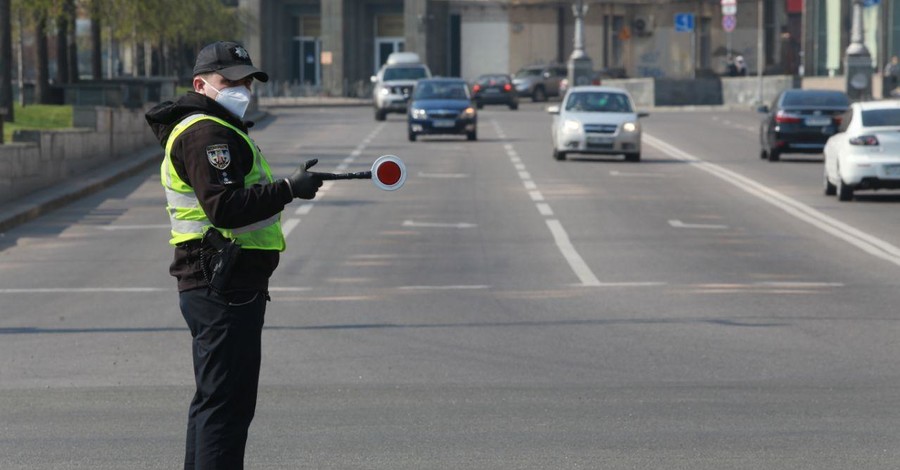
(485, 41)
(728, 91)
(745, 90)
(642, 90)
(39, 159)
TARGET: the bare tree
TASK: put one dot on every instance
(62, 47)
(6, 100)
(42, 78)
(96, 12)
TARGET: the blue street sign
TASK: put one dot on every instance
(871, 3)
(684, 22)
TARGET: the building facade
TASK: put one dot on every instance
(334, 46)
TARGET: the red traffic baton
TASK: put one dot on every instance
(388, 173)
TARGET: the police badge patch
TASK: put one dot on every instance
(218, 156)
(241, 53)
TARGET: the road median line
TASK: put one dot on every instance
(864, 241)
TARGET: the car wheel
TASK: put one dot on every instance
(830, 189)
(844, 192)
(633, 157)
(763, 154)
(774, 155)
(412, 136)
(379, 115)
(539, 95)
(472, 135)
(479, 105)
(514, 106)
(559, 156)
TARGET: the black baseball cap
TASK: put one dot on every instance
(228, 59)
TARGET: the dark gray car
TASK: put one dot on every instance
(539, 81)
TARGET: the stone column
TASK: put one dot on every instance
(333, 12)
(580, 65)
(858, 61)
(416, 19)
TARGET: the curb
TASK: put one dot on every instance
(45, 200)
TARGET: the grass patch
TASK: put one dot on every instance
(38, 116)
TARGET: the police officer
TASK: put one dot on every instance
(219, 187)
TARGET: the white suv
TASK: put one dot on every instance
(395, 81)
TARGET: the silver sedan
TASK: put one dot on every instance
(596, 120)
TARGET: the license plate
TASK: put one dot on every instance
(443, 123)
(491, 91)
(818, 121)
(892, 170)
(599, 140)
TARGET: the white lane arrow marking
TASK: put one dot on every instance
(680, 224)
(410, 223)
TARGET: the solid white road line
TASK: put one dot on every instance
(576, 262)
(680, 224)
(868, 243)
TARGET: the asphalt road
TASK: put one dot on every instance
(701, 309)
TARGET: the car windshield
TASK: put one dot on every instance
(598, 101)
(525, 73)
(441, 91)
(881, 117)
(404, 73)
(491, 80)
(825, 98)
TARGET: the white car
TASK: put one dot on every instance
(865, 153)
(597, 120)
(394, 82)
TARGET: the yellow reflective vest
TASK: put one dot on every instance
(188, 220)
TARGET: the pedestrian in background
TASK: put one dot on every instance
(224, 207)
(891, 76)
(740, 66)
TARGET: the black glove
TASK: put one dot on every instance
(304, 184)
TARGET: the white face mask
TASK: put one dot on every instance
(235, 99)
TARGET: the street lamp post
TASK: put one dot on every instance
(858, 61)
(580, 65)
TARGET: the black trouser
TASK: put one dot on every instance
(227, 333)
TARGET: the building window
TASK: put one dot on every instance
(618, 22)
(705, 44)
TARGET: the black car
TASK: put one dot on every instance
(441, 106)
(495, 89)
(800, 121)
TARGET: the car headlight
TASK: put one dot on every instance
(418, 113)
(467, 113)
(629, 127)
(572, 125)
(384, 91)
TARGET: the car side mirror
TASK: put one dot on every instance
(546, 74)
(553, 109)
(762, 109)
(643, 114)
(374, 78)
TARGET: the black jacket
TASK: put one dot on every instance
(219, 187)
